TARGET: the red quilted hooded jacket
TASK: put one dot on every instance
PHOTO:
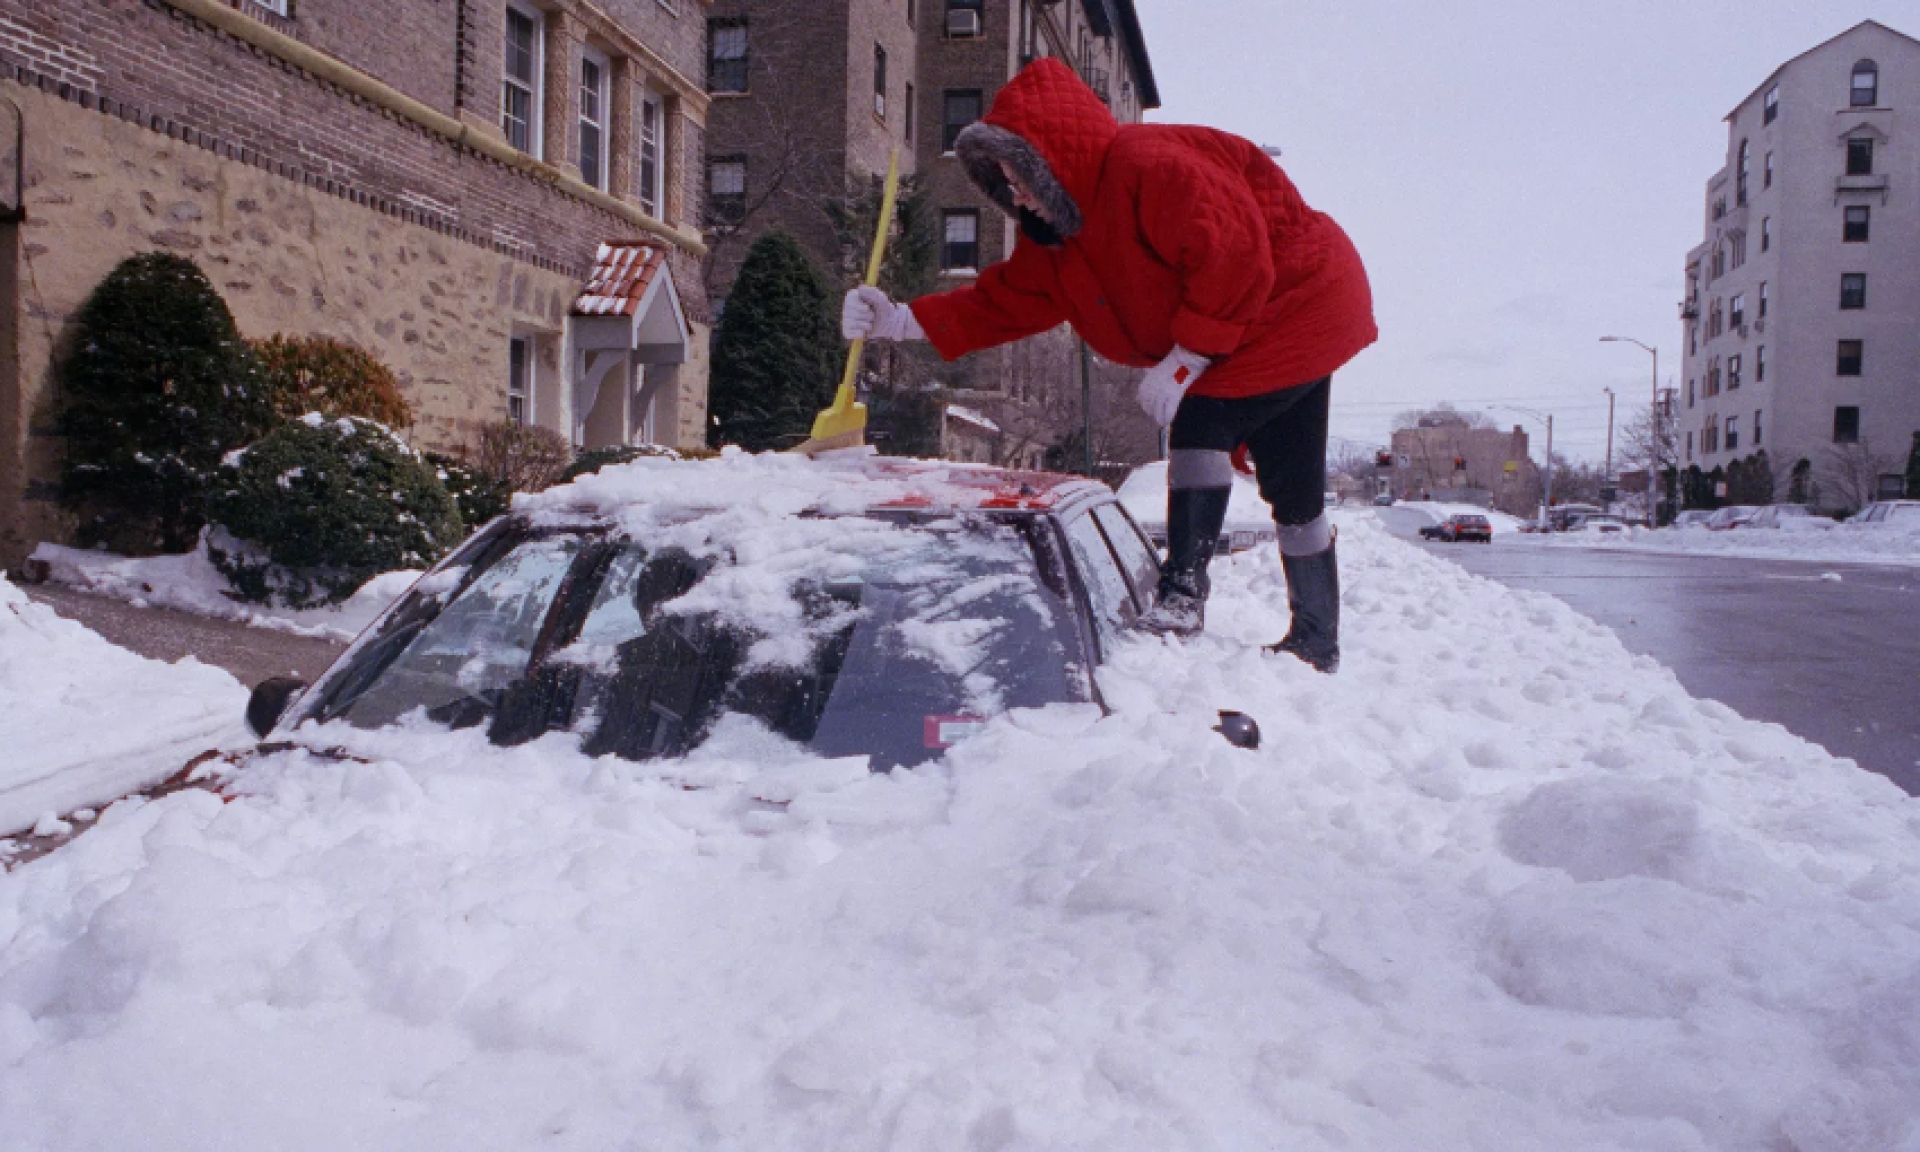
(1161, 235)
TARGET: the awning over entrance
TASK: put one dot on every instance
(627, 317)
(629, 305)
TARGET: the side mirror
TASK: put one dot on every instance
(269, 702)
(1239, 729)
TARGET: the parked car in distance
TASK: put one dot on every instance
(1383, 500)
(1692, 518)
(1732, 516)
(1599, 523)
(1905, 513)
(1561, 516)
(1458, 528)
(1249, 521)
(1777, 516)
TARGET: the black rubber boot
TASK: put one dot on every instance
(1194, 518)
(1313, 593)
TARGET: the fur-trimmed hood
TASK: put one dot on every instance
(1052, 130)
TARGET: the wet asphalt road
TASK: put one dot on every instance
(1834, 662)
(251, 654)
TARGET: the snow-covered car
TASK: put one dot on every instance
(1458, 528)
(1692, 518)
(886, 618)
(1732, 516)
(1905, 513)
(1383, 500)
(1599, 524)
(1249, 521)
(1778, 516)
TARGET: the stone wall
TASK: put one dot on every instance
(288, 258)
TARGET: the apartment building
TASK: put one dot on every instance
(1447, 458)
(1801, 323)
(499, 198)
(810, 99)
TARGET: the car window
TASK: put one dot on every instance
(1903, 514)
(1136, 559)
(1106, 589)
(887, 646)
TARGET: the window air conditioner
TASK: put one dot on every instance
(963, 22)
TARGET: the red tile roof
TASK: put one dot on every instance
(622, 272)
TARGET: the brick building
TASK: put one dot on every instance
(811, 98)
(439, 183)
(1446, 458)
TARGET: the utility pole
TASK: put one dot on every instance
(1086, 403)
(1606, 473)
(1653, 429)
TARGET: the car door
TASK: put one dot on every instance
(1134, 551)
(1108, 594)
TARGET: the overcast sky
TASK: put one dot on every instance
(1521, 178)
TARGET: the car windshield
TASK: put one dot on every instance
(1906, 514)
(893, 649)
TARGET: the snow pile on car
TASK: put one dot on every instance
(83, 721)
(1498, 884)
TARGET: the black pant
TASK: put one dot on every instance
(1285, 433)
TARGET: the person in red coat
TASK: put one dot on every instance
(1188, 252)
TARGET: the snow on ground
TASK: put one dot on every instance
(83, 721)
(1502, 523)
(1822, 542)
(190, 583)
(1497, 885)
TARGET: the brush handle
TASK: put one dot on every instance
(843, 399)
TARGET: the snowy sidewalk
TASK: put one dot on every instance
(1498, 885)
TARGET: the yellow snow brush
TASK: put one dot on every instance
(844, 425)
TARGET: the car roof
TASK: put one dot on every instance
(833, 483)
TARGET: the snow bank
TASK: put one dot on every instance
(1144, 493)
(1821, 542)
(1499, 884)
(83, 721)
(190, 583)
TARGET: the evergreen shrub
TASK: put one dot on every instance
(320, 374)
(317, 507)
(777, 353)
(479, 496)
(594, 459)
(158, 386)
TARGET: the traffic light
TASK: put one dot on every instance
(1459, 463)
(1383, 459)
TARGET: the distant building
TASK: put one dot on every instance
(810, 100)
(968, 436)
(1446, 458)
(1801, 322)
(497, 198)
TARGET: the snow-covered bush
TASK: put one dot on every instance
(480, 496)
(320, 374)
(318, 506)
(594, 459)
(158, 388)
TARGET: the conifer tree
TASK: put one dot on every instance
(776, 353)
(157, 388)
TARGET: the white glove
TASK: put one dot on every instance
(1166, 382)
(867, 314)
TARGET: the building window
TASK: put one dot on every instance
(519, 103)
(727, 189)
(1710, 439)
(879, 82)
(959, 109)
(965, 20)
(1772, 106)
(1737, 311)
(1733, 433)
(1866, 85)
(1689, 391)
(519, 379)
(1854, 227)
(650, 155)
(909, 114)
(1766, 172)
(1689, 447)
(1846, 425)
(1763, 299)
(960, 241)
(1740, 176)
(1738, 244)
(1733, 373)
(593, 121)
(1759, 370)
(1766, 233)
(1719, 261)
(1850, 354)
(913, 10)
(726, 55)
(1713, 378)
(1853, 290)
(1860, 156)
(1757, 430)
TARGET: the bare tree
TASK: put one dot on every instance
(1441, 415)
(1849, 474)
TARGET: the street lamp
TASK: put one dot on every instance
(1546, 498)
(1653, 428)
